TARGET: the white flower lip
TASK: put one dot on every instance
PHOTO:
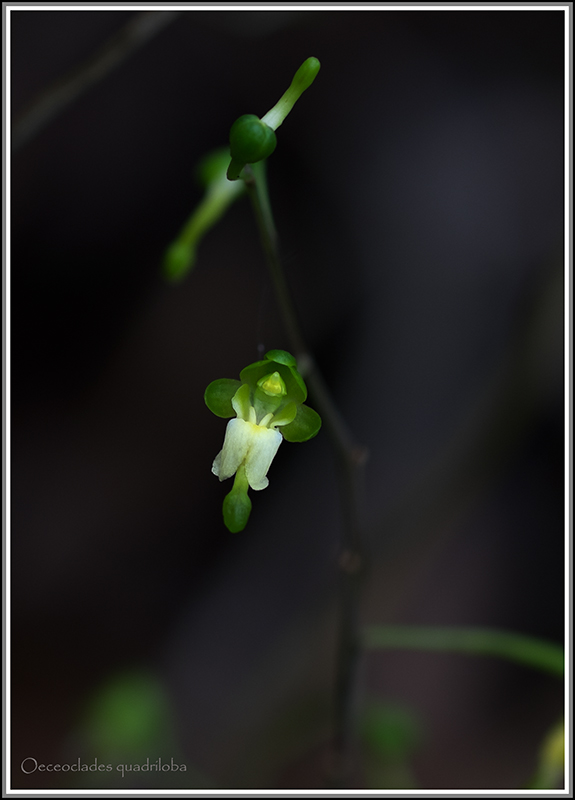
(252, 445)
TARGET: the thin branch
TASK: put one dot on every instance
(351, 458)
(63, 92)
(526, 650)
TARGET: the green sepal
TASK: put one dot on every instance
(305, 426)
(295, 385)
(237, 505)
(281, 357)
(287, 360)
(218, 397)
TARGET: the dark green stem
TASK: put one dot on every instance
(525, 650)
(351, 459)
(256, 184)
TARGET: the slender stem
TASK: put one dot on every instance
(350, 458)
(137, 31)
(516, 647)
(256, 184)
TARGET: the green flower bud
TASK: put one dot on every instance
(251, 140)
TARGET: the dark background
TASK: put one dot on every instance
(418, 193)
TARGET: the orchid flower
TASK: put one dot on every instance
(268, 404)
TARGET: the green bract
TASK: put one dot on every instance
(266, 406)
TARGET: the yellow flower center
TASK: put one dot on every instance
(273, 385)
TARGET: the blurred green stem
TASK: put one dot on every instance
(525, 650)
(180, 256)
(256, 183)
(139, 30)
(351, 459)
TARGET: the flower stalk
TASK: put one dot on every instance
(351, 458)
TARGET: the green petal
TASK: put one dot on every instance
(305, 426)
(241, 402)
(296, 388)
(218, 397)
(285, 416)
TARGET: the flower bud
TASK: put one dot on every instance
(251, 140)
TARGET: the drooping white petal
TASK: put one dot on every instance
(263, 446)
(216, 464)
(235, 449)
